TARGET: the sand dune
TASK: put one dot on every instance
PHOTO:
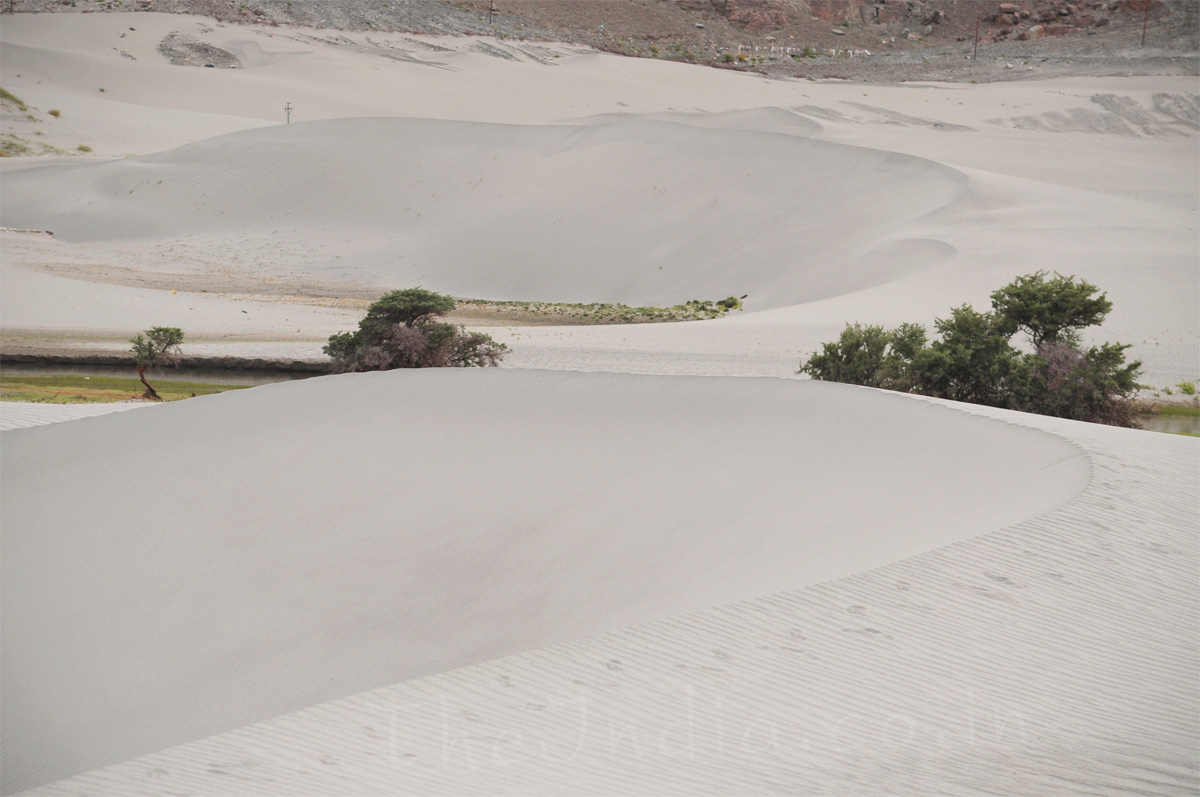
(18, 415)
(638, 212)
(576, 511)
(541, 582)
(572, 504)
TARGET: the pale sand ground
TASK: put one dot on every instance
(1027, 175)
(21, 415)
(915, 596)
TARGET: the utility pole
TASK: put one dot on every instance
(978, 12)
(287, 109)
(491, 12)
(1145, 19)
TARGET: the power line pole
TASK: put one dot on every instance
(978, 12)
(491, 12)
(287, 109)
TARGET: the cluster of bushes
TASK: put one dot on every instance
(974, 359)
(402, 330)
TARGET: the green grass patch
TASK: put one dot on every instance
(596, 312)
(74, 389)
(1176, 410)
(8, 96)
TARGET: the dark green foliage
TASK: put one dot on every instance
(1095, 385)
(870, 356)
(156, 347)
(974, 360)
(401, 331)
(1050, 311)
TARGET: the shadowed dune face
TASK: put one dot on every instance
(361, 530)
(642, 212)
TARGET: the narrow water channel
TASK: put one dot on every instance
(217, 376)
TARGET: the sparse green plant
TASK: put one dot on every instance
(8, 96)
(54, 112)
(12, 146)
(84, 148)
(154, 349)
(1188, 388)
(728, 58)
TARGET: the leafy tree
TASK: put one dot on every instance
(856, 357)
(1050, 311)
(401, 330)
(152, 350)
(974, 360)
(1096, 385)
(869, 355)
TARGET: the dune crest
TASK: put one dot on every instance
(407, 523)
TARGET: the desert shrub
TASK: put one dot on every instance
(972, 362)
(1094, 385)
(869, 355)
(401, 330)
(728, 58)
(54, 112)
(84, 148)
(974, 359)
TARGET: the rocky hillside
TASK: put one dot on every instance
(817, 38)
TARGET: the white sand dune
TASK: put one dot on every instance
(81, 305)
(838, 527)
(22, 415)
(642, 213)
(541, 582)
(404, 524)
(1090, 176)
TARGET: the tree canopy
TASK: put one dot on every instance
(974, 359)
(1050, 310)
(401, 330)
(153, 349)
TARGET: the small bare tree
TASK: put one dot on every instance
(153, 349)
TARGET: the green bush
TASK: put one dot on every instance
(974, 360)
(401, 331)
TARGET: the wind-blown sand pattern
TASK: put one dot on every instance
(19, 415)
(1032, 658)
(537, 580)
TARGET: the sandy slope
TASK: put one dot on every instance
(1094, 177)
(21, 415)
(734, 585)
(570, 504)
(640, 213)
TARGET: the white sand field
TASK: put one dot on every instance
(535, 580)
